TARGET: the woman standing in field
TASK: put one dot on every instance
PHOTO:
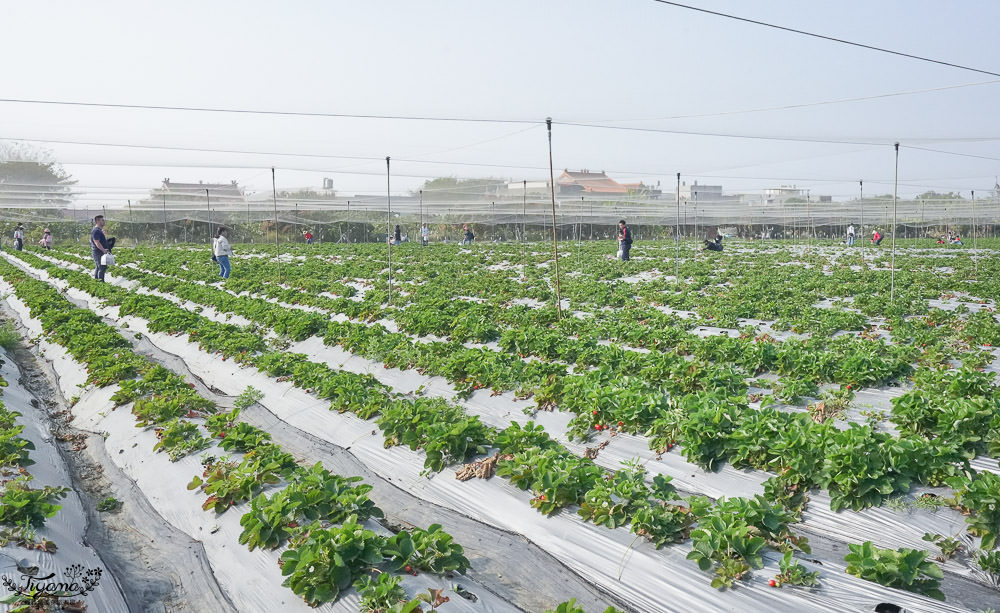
(222, 250)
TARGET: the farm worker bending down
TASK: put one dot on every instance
(308, 236)
(469, 236)
(98, 247)
(46, 240)
(876, 238)
(222, 250)
(624, 239)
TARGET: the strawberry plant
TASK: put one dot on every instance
(558, 478)
(859, 472)
(179, 438)
(704, 434)
(948, 545)
(980, 498)
(326, 561)
(732, 535)
(21, 504)
(381, 593)
(989, 562)
(432, 550)
(570, 606)
(228, 482)
(13, 449)
(793, 573)
(731, 549)
(902, 568)
(313, 494)
(444, 431)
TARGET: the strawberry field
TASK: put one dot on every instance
(778, 427)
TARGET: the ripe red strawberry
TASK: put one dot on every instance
(621, 423)
(594, 412)
(409, 568)
(772, 583)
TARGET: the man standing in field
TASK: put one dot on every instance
(99, 246)
(624, 239)
(850, 235)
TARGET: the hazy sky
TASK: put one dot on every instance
(633, 63)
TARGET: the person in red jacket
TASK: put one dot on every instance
(876, 237)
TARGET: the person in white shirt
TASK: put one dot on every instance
(850, 235)
(222, 250)
(19, 237)
(425, 235)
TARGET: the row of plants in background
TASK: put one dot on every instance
(846, 359)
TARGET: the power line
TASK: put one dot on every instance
(824, 37)
(804, 139)
(967, 155)
(201, 109)
(787, 107)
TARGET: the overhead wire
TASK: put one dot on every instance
(825, 37)
(787, 107)
(204, 109)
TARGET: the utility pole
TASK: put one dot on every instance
(274, 198)
(524, 228)
(895, 190)
(208, 205)
(555, 242)
(861, 197)
(677, 232)
(131, 222)
(388, 227)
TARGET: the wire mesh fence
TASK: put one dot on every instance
(374, 219)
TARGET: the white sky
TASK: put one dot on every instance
(627, 63)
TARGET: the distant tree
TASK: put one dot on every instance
(30, 178)
(306, 195)
(932, 195)
(453, 188)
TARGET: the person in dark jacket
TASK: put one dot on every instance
(624, 239)
(99, 246)
(714, 245)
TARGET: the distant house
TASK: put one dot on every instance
(526, 188)
(706, 193)
(777, 195)
(585, 183)
(218, 193)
